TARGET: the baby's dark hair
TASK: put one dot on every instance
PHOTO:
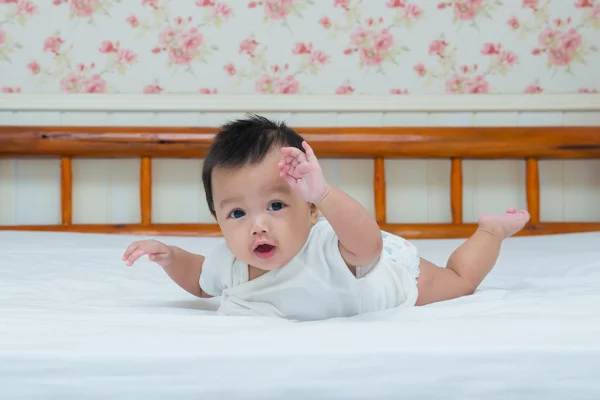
(244, 142)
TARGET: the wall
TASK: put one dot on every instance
(106, 191)
(382, 62)
(300, 46)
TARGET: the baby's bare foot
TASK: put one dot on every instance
(505, 225)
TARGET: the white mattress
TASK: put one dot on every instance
(76, 323)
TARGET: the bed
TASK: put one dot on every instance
(76, 323)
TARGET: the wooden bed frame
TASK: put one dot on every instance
(456, 144)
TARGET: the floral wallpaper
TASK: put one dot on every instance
(346, 47)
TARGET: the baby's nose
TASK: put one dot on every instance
(258, 231)
(259, 227)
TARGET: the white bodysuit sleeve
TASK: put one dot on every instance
(325, 245)
(214, 269)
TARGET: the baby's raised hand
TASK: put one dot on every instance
(303, 173)
(156, 251)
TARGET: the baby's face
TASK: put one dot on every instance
(264, 222)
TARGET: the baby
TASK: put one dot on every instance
(298, 248)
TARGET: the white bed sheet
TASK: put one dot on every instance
(76, 323)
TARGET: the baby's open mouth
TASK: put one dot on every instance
(265, 251)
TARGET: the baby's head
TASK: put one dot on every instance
(264, 221)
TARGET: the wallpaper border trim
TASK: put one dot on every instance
(297, 103)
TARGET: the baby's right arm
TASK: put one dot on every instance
(181, 266)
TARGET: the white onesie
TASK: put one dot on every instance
(316, 284)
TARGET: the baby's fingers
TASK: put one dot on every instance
(130, 249)
(310, 154)
(133, 257)
(294, 152)
(289, 160)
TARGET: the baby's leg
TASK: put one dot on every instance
(471, 262)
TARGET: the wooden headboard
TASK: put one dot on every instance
(456, 144)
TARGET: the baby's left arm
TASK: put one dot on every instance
(358, 232)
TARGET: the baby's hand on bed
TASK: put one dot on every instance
(303, 173)
(156, 251)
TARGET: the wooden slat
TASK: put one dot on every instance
(208, 230)
(532, 182)
(66, 190)
(146, 190)
(532, 143)
(408, 231)
(386, 142)
(456, 191)
(379, 190)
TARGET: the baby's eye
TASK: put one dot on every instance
(235, 214)
(276, 206)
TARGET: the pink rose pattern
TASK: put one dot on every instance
(470, 11)
(273, 78)
(344, 47)
(560, 40)
(375, 42)
(465, 78)
(87, 9)
(19, 12)
(73, 77)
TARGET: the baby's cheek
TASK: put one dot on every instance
(233, 240)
